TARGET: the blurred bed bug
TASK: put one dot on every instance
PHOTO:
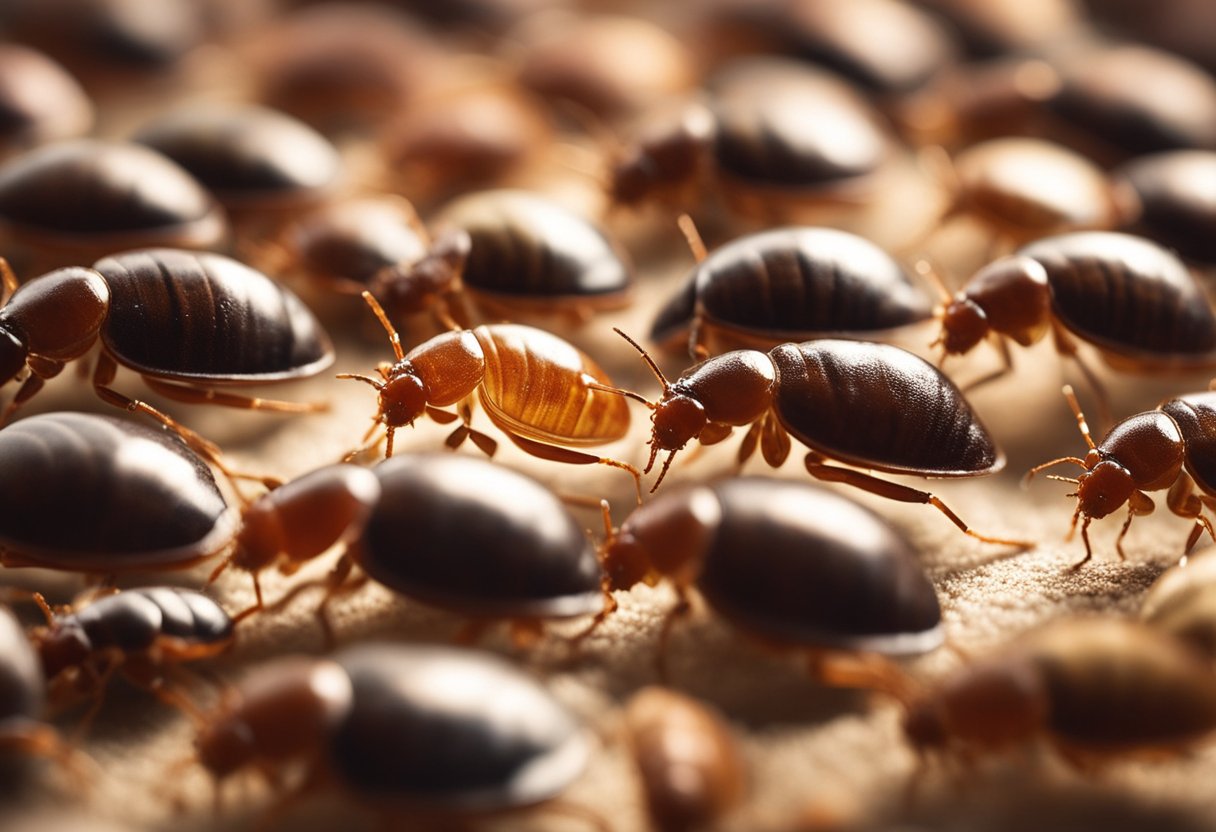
(1177, 192)
(1171, 447)
(141, 500)
(790, 564)
(496, 740)
(187, 322)
(667, 158)
(1182, 602)
(39, 101)
(74, 201)
(145, 633)
(872, 406)
(988, 28)
(789, 284)
(1073, 683)
(1126, 296)
(545, 394)
(690, 765)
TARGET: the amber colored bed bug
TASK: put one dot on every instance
(567, 403)
(434, 735)
(1075, 683)
(873, 406)
(790, 284)
(690, 765)
(39, 101)
(1177, 192)
(74, 201)
(1182, 601)
(141, 500)
(1171, 447)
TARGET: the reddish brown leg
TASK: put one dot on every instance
(893, 491)
(748, 446)
(1182, 500)
(1089, 552)
(610, 606)
(864, 671)
(205, 395)
(572, 457)
(714, 432)
(1067, 348)
(1138, 504)
(774, 441)
(1002, 347)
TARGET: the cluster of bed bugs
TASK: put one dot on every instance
(226, 199)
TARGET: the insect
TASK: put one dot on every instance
(1176, 190)
(146, 633)
(1171, 447)
(896, 413)
(123, 196)
(788, 563)
(39, 102)
(496, 740)
(1180, 602)
(1128, 297)
(668, 158)
(505, 549)
(1073, 683)
(789, 284)
(691, 767)
(187, 322)
(141, 500)
(567, 400)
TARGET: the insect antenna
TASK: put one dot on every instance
(654, 368)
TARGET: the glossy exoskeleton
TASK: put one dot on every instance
(1177, 192)
(39, 101)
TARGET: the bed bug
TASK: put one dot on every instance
(873, 406)
(567, 399)
(187, 322)
(1182, 602)
(141, 499)
(496, 740)
(1128, 297)
(122, 196)
(39, 101)
(1073, 683)
(1177, 192)
(667, 159)
(145, 633)
(1171, 447)
(691, 768)
(790, 284)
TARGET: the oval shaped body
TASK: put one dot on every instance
(797, 563)
(790, 284)
(249, 157)
(1128, 296)
(1177, 192)
(1195, 415)
(527, 247)
(39, 100)
(181, 621)
(451, 730)
(351, 240)
(785, 125)
(535, 385)
(22, 689)
(879, 407)
(96, 494)
(1182, 602)
(1149, 445)
(204, 317)
(465, 534)
(122, 195)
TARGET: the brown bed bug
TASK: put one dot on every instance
(873, 406)
(497, 741)
(74, 201)
(1126, 296)
(667, 158)
(1177, 193)
(39, 101)
(145, 633)
(1182, 601)
(1171, 447)
(690, 765)
(1095, 688)
(255, 161)
(141, 500)
(187, 322)
(790, 284)
(567, 402)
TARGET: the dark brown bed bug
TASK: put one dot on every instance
(39, 101)
(790, 284)
(1075, 683)
(141, 500)
(506, 550)
(74, 201)
(691, 767)
(1177, 192)
(1182, 602)
(545, 394)
(873, 406)
(667, 158)
(1171, 447)
(254, 160)
(144, 633)
(187, 322)
(1128, 297)
(496, 740)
